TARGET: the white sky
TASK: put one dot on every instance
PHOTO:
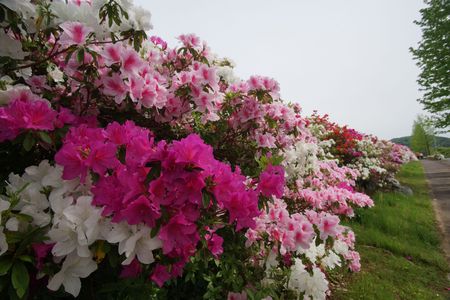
(347, 58)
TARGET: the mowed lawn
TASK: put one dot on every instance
(400, 247)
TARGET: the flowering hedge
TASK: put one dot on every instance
(125, 158)
(376, 160)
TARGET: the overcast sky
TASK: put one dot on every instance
(347, 58)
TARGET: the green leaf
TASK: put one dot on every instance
(28, 142)
(20, 278)
(155, 230)
(26, 258)
(5, 265)
(2, 15)
(154, 172)
(45, 137)
(80, 55)
(206, 199)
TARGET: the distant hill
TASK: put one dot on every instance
(406, 140)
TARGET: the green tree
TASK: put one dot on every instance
(433, 58)
(422, 138)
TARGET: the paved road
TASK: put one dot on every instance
(438, 175)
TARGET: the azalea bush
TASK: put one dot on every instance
(376, 160)
(132, 170)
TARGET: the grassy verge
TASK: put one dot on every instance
(399, 244)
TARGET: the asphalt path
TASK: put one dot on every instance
(438, 175)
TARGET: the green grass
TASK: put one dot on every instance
(400, 248)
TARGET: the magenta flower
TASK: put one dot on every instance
(74, 160)
(242, 207)
(102, 156)
(132, 270)
(19, 115)
(141, 210)
(160, 275)
(179, 236)
(41, 250)
(192, 151)
(271, 182)
(74, 33)
(214, 244)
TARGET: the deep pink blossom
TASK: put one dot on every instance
(215, 242)
(271, 181)
(132, 270)
(179, 236)
(160, 275)
(141, 210)
(41, 250)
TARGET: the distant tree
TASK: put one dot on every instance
(433, 58)
(422, 138)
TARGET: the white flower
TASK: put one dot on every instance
(73, 268)
(140, 244)
(114, 232)
(3, 243)
(32, 202)
(314, 286)
(4, 205)
(76, 229)
(300, 159)
(313, 252)
(12, 224)
(55, 73)
(226, 72)
(340, 247)
(271, 261)
(331, 260)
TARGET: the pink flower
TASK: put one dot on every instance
(102, 156)
(237, 296)
(32, 115)
(158, 41)
(115, 87)
(65, 116)
(265, 140)
(131, 61)
(214, 244)
(192, 151)
(41, 250)
(141, 210)
(242, 207)
(132, 270)
(190, 40)
(74, 33)
(160, 275)
(74, 160)
(328, 226)
(19, 115)
(112, 53)
(271, 181)
(354, 258)
(37, 83)
(179, 236)
(79, 2)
